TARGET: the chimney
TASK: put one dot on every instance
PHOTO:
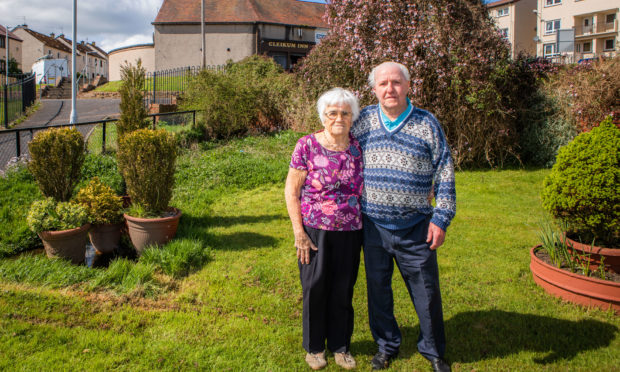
(93, 43)
(52, 35)
(82, 42)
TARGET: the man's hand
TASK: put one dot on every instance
(304, 245)
(435, 236)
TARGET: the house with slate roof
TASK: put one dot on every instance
(15, 48)
(37, 45)
(286, 30)
(90, 61)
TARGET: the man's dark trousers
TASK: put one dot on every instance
(418, 267)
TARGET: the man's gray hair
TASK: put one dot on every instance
(403, 70)
(336, 97)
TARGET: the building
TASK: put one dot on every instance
(15, 48)
(104, 63)
(575, 30)
(130, 54)
(90, 61)
(36, 46)
(516, 20)
(286, 30)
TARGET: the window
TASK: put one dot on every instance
(2, 41)
(549, 49)
(552, 2)
(58, 55)
(587, 47)
(610, 44)
(504, 33)
(610, 18)
(552, 26)
(578, 48)
(502, 12)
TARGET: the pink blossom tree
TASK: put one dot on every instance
(461, 68)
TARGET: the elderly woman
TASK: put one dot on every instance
(323, 189)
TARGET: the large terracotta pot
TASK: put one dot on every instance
(152, 231)
(579, 289)
(69, 244)
(105, 238)
(611, 256)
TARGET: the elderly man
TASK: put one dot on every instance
(406, 159)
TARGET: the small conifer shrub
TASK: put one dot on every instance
(133, 112)
(146, 159)
(56, 161)
(582, 188)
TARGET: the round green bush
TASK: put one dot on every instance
(582, 189)
(146, 159)
(56, 158)
(102, 204)
(49, 215)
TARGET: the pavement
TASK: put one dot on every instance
(53, 112)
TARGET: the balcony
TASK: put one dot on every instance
(596, 28)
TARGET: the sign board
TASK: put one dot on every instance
(319, 35)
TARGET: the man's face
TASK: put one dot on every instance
(391, 88)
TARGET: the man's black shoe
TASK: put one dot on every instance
(440, 365)
(381, 360)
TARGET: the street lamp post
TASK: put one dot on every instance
(73, 118)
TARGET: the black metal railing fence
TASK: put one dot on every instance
(165, 86)
(16, 97)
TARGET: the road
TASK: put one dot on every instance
(52, 112)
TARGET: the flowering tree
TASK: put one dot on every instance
(460, 66)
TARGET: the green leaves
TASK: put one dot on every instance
(56, 161)
(102, 204)
(49, 215)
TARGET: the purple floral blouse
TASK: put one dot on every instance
(330, 197)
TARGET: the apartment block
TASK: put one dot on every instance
(575, 30)
(516, 21)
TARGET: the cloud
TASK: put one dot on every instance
(111, 23)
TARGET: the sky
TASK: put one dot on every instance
(110, 23)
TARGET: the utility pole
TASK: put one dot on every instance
(73, 118)
(202, 32)
(6, 85)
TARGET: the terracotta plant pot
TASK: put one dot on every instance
(578, 289)
(611, 256)
(105, 238)
(69, 244)
(152, 231)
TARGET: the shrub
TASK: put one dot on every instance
(146, 159)
(49, 215)
(586, 93)
(461, 67)
(102, 204)
(248, 96)
(133, 113)
(56, 161)
(582, 188)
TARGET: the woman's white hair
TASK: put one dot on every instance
(337, 97)
(403, 70)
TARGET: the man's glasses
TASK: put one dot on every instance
(334, 114)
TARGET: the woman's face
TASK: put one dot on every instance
(338, 120)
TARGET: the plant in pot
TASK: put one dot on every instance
(581, 193)
(105, 212)
(146, 160)
(56, 158)
(62, 226)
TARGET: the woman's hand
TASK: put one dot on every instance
(304, 245)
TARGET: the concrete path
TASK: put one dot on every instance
(52, 112)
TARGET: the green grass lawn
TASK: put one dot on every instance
(240, 310)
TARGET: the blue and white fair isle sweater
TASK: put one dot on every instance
(401, 166)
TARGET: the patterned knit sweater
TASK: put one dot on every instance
(401, 166)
